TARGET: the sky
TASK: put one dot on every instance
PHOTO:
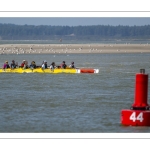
(76, 21)
(76, 12)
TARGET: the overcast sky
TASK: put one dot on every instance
(75, 12)
(70, 21)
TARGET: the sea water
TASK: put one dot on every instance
(71, 103)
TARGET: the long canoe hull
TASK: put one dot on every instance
(39, 70)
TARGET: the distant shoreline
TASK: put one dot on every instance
(73, 48)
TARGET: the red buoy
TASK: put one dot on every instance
(86, 70)
(139, 113)
(141, 90)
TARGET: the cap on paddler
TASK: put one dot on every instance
(6, 61)
(45, 61)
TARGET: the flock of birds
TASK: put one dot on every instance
(60, 48)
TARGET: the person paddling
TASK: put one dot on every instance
(6, 65)
(53, 66)
(33, 65)
(72, 65)
(24, 64)
(63, 65)
(13, 65)
(44, 65)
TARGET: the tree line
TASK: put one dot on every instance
(48, 32)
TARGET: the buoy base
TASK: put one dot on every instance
(135, 117)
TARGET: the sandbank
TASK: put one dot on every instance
(73, 48)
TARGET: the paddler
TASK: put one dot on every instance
(6, 65)
(53, 66)
(63, 65)
(44, 65)
(13, 65)
(24, 64)
(72, 65)
(33, 65)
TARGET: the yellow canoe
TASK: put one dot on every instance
(40, 70)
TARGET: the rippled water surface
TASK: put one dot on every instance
(76, 103)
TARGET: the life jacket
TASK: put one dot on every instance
(22, 65)
(13, 65)
(72, 66)
(63, 66)
(5, 66)
(33, 66)
(51, 67)
(45, 66)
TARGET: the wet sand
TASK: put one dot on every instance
(73, 48)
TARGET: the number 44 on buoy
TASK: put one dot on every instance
(134, 117)
(139, 113)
